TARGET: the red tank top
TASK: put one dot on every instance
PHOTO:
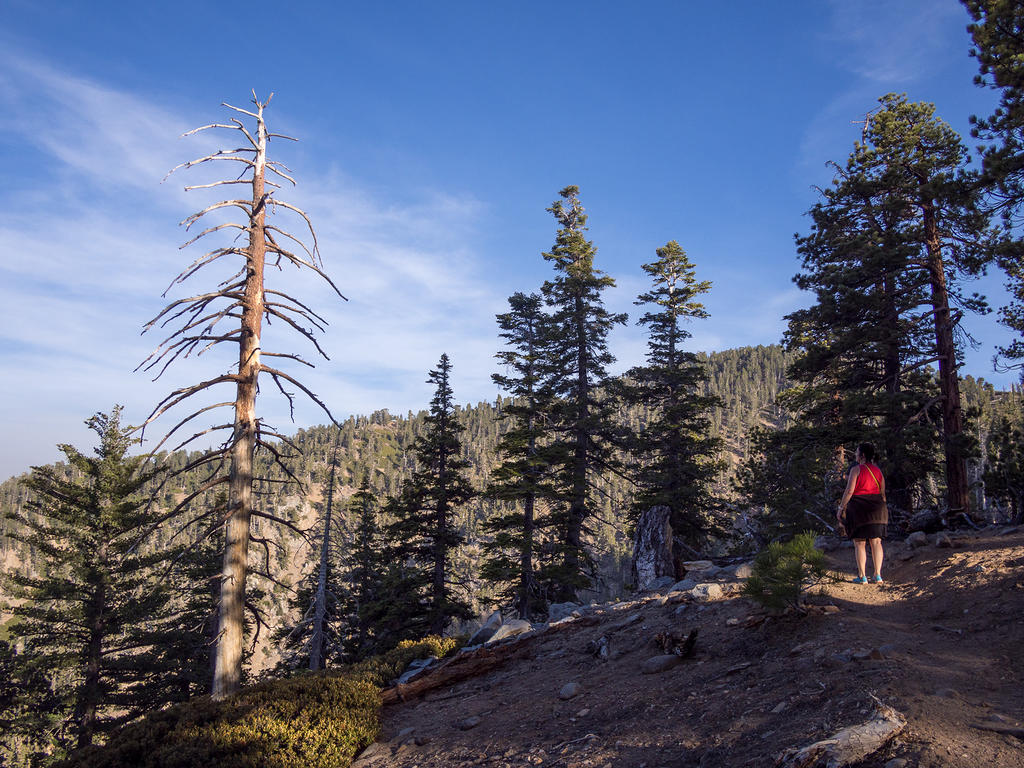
(868, 480)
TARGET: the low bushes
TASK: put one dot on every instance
(318, 720)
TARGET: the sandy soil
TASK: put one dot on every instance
(941, 642)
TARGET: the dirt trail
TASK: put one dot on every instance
(940, 641)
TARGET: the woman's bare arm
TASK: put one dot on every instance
(850, 485)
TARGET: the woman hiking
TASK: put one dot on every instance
(863, 513)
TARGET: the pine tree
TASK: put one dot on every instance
(894, 241)
(88, 620)
(997, 32)
(582, 420)
(674, 452)
(522, 482)
(427, 505)
(366, 569)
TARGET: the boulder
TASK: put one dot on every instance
(559, 611)
(927, 520)
(697, 565)
(414, 669)
(652, 547)
(661, 583)
(706, 593)
(657, 664)
(744, 571)
(486, 632)
(511, 629)
(570, 690)
(683, 586)
(467, 723)
(942, 540)
(917, 539)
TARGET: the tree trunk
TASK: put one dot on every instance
(89, 697)
(578, 503)
(949, 386)
(440, 548)
(228, 663)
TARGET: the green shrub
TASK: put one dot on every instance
(381, 670)
(784, 573)
(318, 720)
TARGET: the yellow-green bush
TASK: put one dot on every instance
(381, 670)
(309, 721)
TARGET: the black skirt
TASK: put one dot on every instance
(867, 517)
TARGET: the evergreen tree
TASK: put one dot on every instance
(88, 620)
(582, 420)
(366, 567)
(894, 241)
(998, 32)
(523, 478)
(426, 508)
(674, 452)
(1004, 465)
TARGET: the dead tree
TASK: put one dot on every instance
(232, 313)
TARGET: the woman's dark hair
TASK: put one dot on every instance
(867, 450)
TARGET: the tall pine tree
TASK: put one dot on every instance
(998, 35)
(522, 482)
(425, 530)
(88, 620)
(674, 452)
(578, 358)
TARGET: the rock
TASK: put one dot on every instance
(415, 668)
(490, 626)
(570, 690)
(876, 654)
(942, 540)
(707, 592)
(897, 762)
(830, 608)
(659, 584)
(947, 693)
(403, 736)
(917, 539)
(927, 520)
(683, 586)
(467, 723)
(376, 749)
(977, 568)
(697, 565)
(583, 713)
(826, 543)
(904, 556)
(733, 622)
(887, 650)
(599, 648)
(743, 571)
(657, 664)
(559, 611)
(513, 628)
(780, 708)
(652, 547)
(680, 609)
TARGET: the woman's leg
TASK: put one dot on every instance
(877, 555)
(860, 554)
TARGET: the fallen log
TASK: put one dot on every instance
(1008, 730)
(476, 662)
(850, 745)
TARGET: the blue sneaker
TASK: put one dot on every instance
(877, 579)
(861, 580)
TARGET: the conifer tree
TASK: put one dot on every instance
(426, 507)
(894, 241)
(997, 32)
(366, 569)
(674, 452)
(578, 356)
(88, 619)
(522, 481)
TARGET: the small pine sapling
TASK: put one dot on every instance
(785, 573)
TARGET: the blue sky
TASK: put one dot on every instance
(433, 137)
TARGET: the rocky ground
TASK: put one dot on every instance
(940, 642)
